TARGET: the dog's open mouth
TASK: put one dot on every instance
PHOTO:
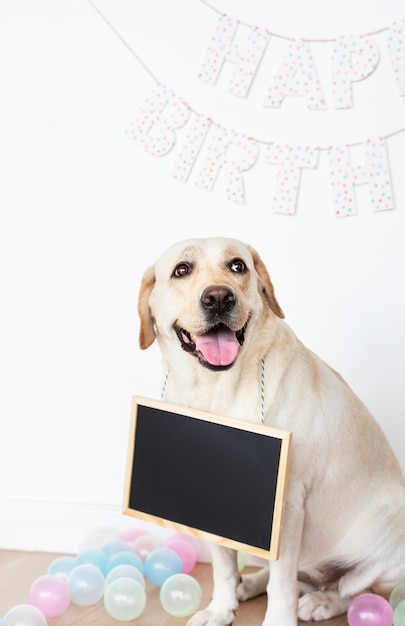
(217, 349)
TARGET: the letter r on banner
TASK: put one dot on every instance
(246, 58)
(234, 154)
(154, 126)
(375, 173)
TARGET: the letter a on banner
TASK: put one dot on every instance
(246, 57)
(375, 172)
(296, 76)
(154, 127)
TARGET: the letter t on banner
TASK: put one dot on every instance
(375, 172)
(290, 161)
(246, 58)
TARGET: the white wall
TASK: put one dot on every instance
(84, 211)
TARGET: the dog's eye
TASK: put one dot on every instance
(237, 266)
(182, 269)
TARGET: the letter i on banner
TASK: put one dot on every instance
(155, 124)
(196, 133)
(353, 59)
(246, 57)
(233, 153)
(290, 160)
(395, 38)
(375, 172)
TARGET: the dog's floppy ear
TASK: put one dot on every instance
(147, 329)
(266, 284)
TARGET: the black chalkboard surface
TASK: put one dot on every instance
(220, 479)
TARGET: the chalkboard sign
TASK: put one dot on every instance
(218, 479)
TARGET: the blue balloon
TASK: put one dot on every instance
(95, 557)
(114, 546)
(61, 567)
(161, 564)
(3, 623)
(124, 558)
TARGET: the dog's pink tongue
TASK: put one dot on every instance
(218, 347)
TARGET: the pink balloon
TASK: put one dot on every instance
(185, 551)
(194, 541)
(50, 594)
(131, 534)
(369, 609)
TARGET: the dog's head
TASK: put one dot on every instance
(205, 294)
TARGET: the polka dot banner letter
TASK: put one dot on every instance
(196, 133)
(395, 38)
(162, 113)
(290, 161)
(375, 173)
(353, 59)
(296, 77)
(233, 153)
(246, 57)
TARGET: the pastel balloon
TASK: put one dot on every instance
(161, 564)
(185, 551)
(399, 614)
(112, 547)
(145, 545)
(3, 622)
(50, 594)
(86, 584)
(25, 615)
(194, 541)
(93, 556)
(125, 558)
(180, 595)
(131, 534)
(61, 566)
(241, 561)
(369, 609)
(397, 595)
(124, 599)
(124, 571)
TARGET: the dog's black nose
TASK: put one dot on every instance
(218, 299)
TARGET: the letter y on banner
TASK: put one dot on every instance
(375, 173)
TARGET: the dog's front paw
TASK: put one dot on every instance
(320, 605)
(212, 618)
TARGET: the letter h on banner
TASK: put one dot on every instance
(375, 173)
(246, 58)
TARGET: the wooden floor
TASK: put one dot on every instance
(18, 570)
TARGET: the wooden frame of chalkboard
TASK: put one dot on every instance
(210, 476)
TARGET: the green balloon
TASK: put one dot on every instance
(397, 595)
(399, 614)
(124, 599)
(180, 595)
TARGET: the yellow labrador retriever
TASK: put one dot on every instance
(211, 306)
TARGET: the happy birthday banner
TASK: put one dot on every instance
(207, 148)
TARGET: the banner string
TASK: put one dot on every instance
(260, 141)
(285, 37)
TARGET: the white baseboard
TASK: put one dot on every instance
(62, 527)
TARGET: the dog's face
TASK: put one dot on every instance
(205, 293)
